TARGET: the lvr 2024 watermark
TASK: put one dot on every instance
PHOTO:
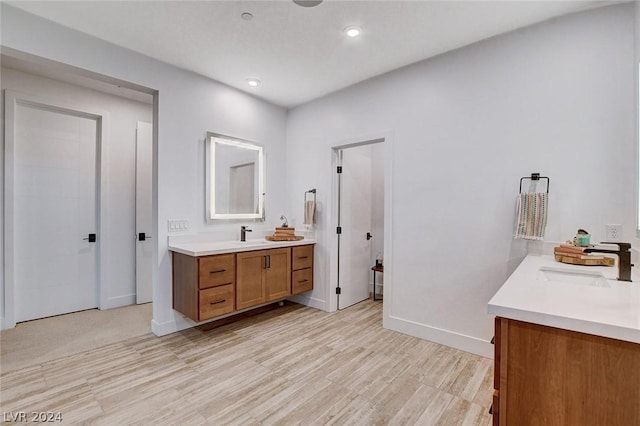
(32, 416)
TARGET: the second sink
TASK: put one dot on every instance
(589, 278)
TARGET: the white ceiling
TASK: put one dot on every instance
(298, 53)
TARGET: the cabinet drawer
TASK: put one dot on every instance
(216, 301)
(302, 280)
(302, 257)
(216, 270)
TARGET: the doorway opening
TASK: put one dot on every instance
(360, 211)
(78, 191)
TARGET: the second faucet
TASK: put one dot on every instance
(243, 233)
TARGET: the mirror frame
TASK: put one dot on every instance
(210, 188)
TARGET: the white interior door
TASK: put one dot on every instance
(355, 220)
(144, 177)
(55, 265)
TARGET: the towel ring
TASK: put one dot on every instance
(312, 198)
(535, 177)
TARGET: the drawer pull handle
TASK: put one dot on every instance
(302, 281)
(217, 302)
(303, 257)
(218, 271)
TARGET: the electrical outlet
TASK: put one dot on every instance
(177, 225)
(613, 232)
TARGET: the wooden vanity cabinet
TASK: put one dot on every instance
(302, 269)
(204, 287)
(262, 276)
(551, 376)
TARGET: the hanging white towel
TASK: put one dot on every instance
(309, 212)
(531, 219)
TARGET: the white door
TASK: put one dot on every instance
(55, 211)
(355, 221)
(144, 205)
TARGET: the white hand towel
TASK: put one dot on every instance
(309, 212)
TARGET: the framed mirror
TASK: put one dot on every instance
(235, 182)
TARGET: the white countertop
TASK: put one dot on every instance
(206, 248)
(603, 311)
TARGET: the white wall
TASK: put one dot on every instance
(120, 170)
(555, 98)
(188, 106)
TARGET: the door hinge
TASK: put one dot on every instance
(339, 230)
(338, 290)
(339, 169)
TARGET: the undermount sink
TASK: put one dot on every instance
(250, 243)
(589, 278)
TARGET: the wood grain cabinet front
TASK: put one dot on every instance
(216, 270)
(263, 276)
(216, 301)
(551, 376)
(206, 287)
(302, 265)
(201, 283)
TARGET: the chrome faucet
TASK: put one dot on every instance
(624, 259)
(243, 233)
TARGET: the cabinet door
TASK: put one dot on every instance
(250, 287)
(278, 273)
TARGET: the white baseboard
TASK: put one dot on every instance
(168, 327)
(4, 325)
(116, 302)
(311, 302)
(438, 335)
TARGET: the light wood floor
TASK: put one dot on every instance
(293, 365)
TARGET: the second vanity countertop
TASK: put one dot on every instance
(612, 311)
(207, 248)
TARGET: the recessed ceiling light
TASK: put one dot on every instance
(307, 3)
(247, 16)
(352, 31)
(253, 82)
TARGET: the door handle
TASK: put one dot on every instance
(91, 238)
(143, 236)
(268, 261)
(369, 236)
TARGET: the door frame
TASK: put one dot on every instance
(12, 100)
(333, 219)
(144, 290)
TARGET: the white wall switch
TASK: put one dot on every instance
(177, 225)
(613, 232)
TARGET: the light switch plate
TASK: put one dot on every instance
(178, 225)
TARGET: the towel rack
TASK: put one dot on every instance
(534, 177)
(312, 197)
(313, 194)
